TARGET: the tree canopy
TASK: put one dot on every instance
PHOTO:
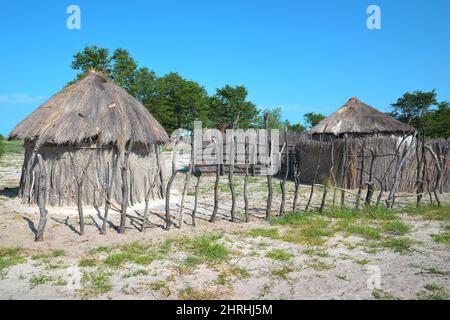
(423, 111)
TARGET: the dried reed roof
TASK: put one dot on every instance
(357, 117)
(92, 109)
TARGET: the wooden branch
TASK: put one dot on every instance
(216, 184)
(283, 182)
(169, 184)
(269, 176)
(41, 200)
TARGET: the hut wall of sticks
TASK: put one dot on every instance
(91, 140)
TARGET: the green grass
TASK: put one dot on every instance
(279, 254)
(396, 227)
(189, 293)
(379, 294)
(87, 262)
(433, 291)
(95, 283)
(364, 231)
(261, 232)
(205, 249)
(134, 252)
(362, 262)
(10, 257)
(39, 279)
(443, 237)
(429, 212)
(282, 272)
(316, 252)
(401, 245)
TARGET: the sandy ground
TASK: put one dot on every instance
(341, 266)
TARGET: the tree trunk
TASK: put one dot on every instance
(41, 200)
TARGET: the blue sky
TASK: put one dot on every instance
(300, 55)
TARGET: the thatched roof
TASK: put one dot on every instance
(92, 109)
(357, 117)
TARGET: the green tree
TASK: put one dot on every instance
(92, 57)
(275, 121)
(296, 128)
(424, 112)
(124, 70)
(312, 119)
(178, 102)
(227, 104)
(412, 107)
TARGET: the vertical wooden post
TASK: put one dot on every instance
(315, 171)
(361, 174)
(283, 182)
(438, 179)
(296, 173)
(198, 175)
(169, 185)
(327, 183)
(109, 184)
(41, 200)
(370, 182)
(247, 156)
(269, 175)
(186, 183)
(391, 197)
(230, 178)
(124, 204)
(216, 184)
(344, 171)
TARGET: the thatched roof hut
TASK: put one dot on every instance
(358, 118)
(85, 131)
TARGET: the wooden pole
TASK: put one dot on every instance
(169, 184)
(216, 184)
(327, 183)
(316, 170)
(124, 204)
(246, 155)
(361, 174)
(438, 179)
(186, 183)
(109, 182)
(283, 182)
(269, 175)
(41, 200)
(370, 181)
(344, 171)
